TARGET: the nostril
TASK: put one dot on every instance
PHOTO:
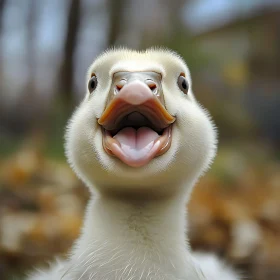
(152, 85)
(120, 85)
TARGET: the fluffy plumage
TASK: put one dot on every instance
(134, 226)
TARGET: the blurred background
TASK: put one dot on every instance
(233, 51)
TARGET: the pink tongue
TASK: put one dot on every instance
(136, 144)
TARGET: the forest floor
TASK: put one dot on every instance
(234, 211)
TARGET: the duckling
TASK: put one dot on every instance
(140, 141)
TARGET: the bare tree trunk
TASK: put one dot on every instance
(31, 48)
(116, 10)
(2, 8)
(66, 74)
(27, 105)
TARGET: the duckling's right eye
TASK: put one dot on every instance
(92, 84)
(183, 83)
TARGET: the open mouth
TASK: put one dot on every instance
(136, 129)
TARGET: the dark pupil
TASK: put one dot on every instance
(92, 83)
(184, 84)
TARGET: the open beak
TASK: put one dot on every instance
(136, 124)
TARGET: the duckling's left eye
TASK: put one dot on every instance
(183, 84)
(92, 84)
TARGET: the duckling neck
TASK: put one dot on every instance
(146, 222)
(142, 236)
